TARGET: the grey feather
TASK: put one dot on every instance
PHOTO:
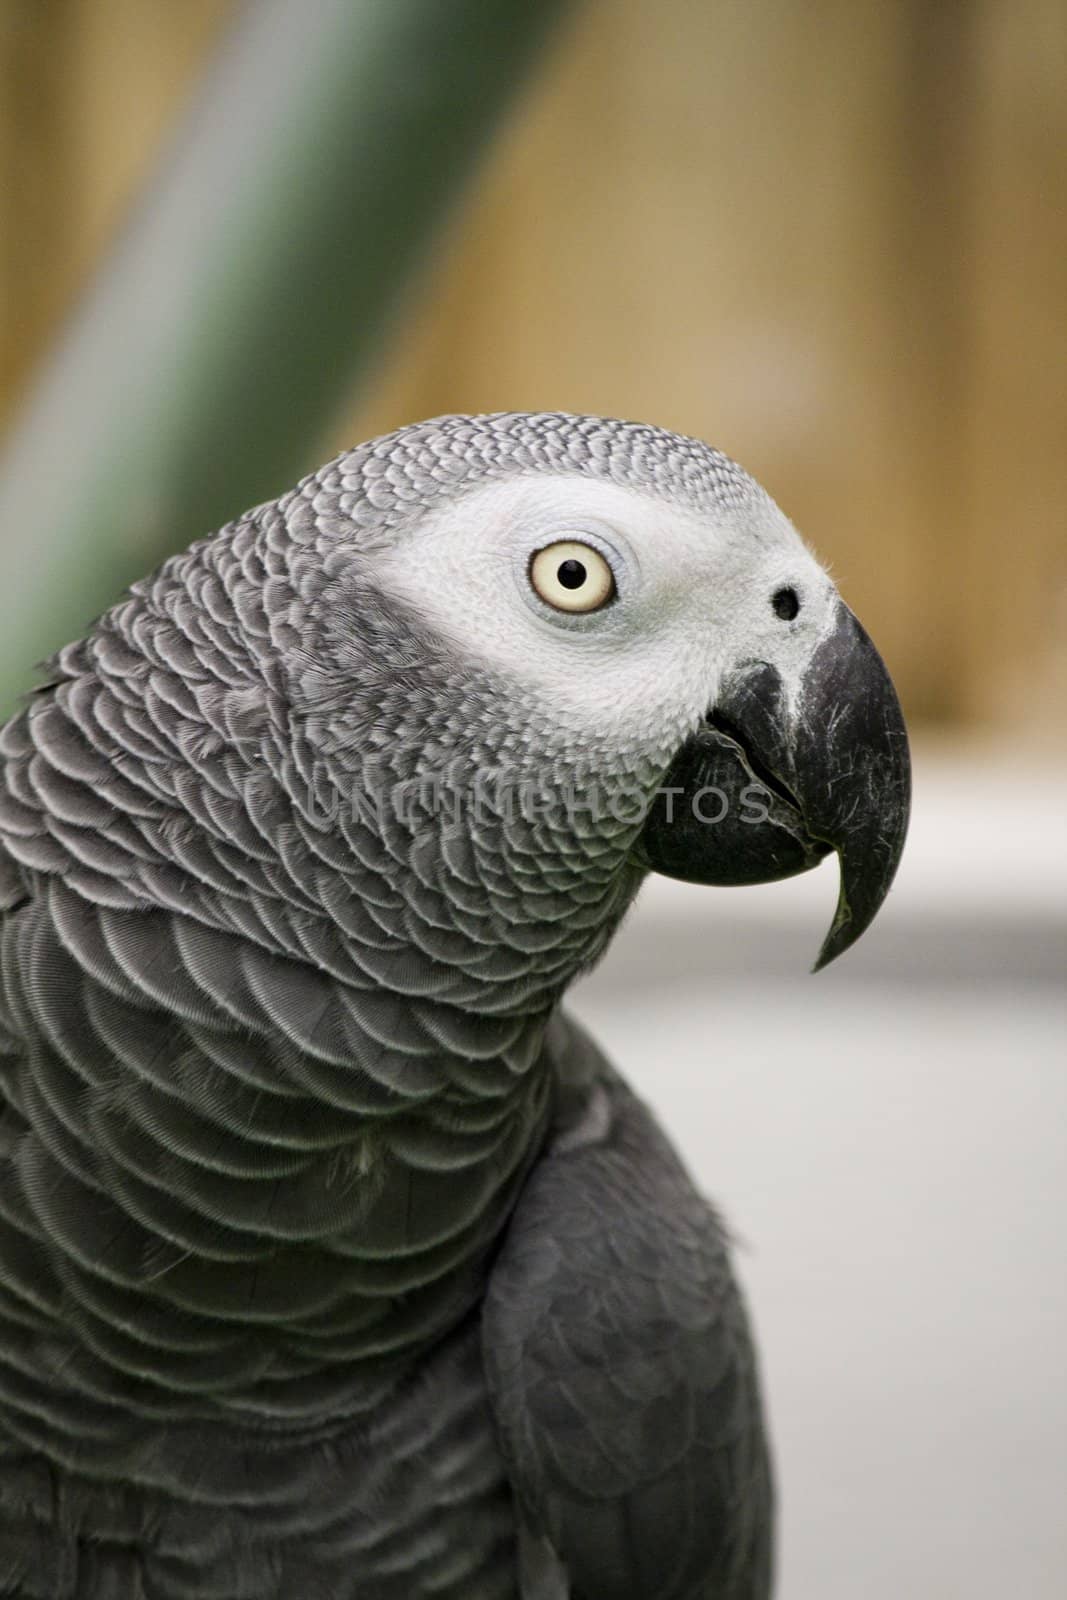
(621, 1367)
(274, 1070)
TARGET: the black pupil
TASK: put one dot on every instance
(571, 574)
(786, 604)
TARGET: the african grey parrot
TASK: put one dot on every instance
(335, 1260)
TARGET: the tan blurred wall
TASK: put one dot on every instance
(88, 90)
(828, 235)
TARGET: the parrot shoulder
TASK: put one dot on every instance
(620, 1367)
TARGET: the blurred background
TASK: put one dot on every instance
(830, 236)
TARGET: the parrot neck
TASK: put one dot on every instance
(280, 1065)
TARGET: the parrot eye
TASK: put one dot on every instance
(572, 577)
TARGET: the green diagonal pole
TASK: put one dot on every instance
(253, 283)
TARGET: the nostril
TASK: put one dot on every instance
(786, 603)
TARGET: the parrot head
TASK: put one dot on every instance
(623, 624)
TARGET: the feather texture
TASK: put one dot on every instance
(276, 1058)
(622, 1371)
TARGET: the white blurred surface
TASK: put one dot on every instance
(889, 1141)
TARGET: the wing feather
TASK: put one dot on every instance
(623, 1374)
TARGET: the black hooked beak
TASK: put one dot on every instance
(767, 787)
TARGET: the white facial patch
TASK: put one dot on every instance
(694, 596)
